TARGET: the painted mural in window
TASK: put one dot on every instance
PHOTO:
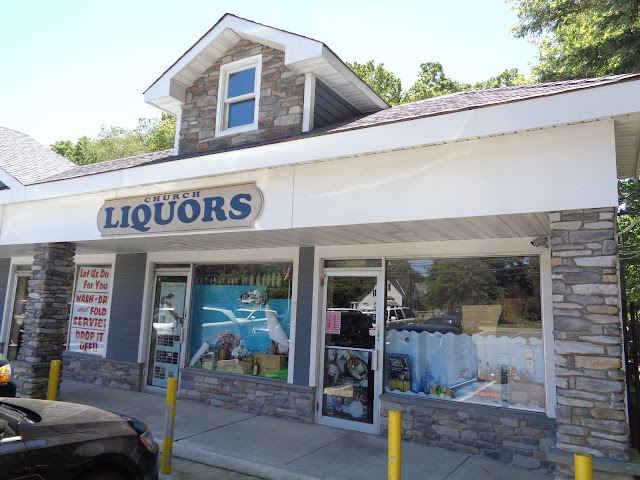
(241, 319)
(466, 330)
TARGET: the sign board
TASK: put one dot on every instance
(89, 320)
(333, 322)
(235, 206)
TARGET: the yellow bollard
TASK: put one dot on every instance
(54, 375)
(583, 466)
(395, 445)
(169, 424)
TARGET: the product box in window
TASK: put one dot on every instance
(526, 394)
(398, 372)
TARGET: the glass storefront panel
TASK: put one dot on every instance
(348, 384)
(354, 263)
(241, 319)
(168, 322)
(17, 318)
(466, 330)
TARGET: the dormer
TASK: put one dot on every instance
(244, 82)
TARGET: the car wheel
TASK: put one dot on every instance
(103, 475)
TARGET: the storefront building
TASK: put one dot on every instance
(308, 252)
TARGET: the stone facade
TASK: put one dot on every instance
(280, 105)
(261, 396)
(45, 318)
(510, 436)
(590, 380)
(102, 371)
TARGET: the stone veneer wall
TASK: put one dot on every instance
(101, 371)
(45, 318)
(280, 104)
(510, 436)
(591, 410)
(262, 396)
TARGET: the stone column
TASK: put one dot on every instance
(590, 380)
(46, 317)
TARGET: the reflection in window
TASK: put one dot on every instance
(475, 331)
(241, 316)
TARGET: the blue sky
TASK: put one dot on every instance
(69, 67)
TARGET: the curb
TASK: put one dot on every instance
(197, 453)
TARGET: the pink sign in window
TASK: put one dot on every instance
(333, 322)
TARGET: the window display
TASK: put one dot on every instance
(476, 335)
(241, 319)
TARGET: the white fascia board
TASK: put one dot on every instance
(15, 192)
(354, 79)
(575, 107)
(296, 48)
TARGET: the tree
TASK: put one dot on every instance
(591, 38)
(432, 82)
(629, 236)
(508, 78)
(581, 38)
(385, 83)
(456, 282)
(151, 135)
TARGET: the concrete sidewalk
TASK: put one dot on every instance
(284, 450)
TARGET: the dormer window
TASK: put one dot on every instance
(238, 96)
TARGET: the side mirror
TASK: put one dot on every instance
(3, 427)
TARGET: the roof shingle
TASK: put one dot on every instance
(410, 111)
(27, 160)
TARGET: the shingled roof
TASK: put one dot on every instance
(445, 104)
(27, 160)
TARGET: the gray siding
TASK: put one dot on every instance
(126, 307)
(303, 316)
(330, 108)
(5, 263)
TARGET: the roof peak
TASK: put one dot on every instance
(302, 55)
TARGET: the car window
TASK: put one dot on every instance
(408, 313)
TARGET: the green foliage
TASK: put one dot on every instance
(581, 38)
(508, 78)
(151, 135)
(629, 241)
(432, 82)
(385, 83)
(456, 282)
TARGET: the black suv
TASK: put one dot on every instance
(64, 441)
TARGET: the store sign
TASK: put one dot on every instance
(89, 319)
(235, 206)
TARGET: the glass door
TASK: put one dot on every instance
(20, 295)
(167, 327)
(351, 376)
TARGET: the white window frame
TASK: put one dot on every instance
(222, 112)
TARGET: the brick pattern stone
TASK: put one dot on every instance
(280, 105)
(520, 439)
(245, 393)
(590, 381)
(45, 318)
(102, 371)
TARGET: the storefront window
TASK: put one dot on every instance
(357, 263)
(241, 319)
(466, 330)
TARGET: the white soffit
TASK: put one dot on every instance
(303, 55)
(523, 225)
(627, 145)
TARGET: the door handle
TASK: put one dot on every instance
(374, 360)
